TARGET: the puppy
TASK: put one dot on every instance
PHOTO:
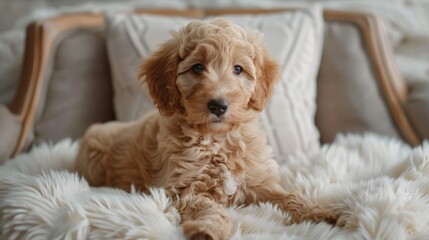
(205, 146)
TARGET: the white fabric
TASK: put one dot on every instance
(295, 39)
(413, 59)
(380, 186)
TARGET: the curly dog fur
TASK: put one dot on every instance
(204, 146)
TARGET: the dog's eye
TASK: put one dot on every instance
(238, 69)
(198, 68)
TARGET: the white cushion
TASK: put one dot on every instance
(294, 38)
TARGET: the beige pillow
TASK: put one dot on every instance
(293, 38)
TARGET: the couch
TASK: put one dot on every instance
(377, 183)
(359, 86)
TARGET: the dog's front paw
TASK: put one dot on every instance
(201, 236)
(195, 229)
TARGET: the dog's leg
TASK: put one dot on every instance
(203, 218)
(96, 162)
(93, 150)
(299, 208)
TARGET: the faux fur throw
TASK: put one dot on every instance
(380, 185)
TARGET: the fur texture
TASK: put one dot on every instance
(379, 184)
(204, 158)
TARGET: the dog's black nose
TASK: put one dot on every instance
(217, 107)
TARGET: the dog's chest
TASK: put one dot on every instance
(213, 166)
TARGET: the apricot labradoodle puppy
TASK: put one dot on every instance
(204, 147)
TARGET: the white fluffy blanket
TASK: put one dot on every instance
(380, 185)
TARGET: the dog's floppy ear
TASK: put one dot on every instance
(159, 72)
(267, 73)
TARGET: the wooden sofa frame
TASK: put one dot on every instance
(42, 36)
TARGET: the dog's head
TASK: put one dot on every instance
(214, 73)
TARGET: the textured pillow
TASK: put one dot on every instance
(293, 38)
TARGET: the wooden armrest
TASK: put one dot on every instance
(39, 47)
(391, 83)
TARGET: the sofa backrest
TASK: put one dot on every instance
(357, 92)
(349, 94)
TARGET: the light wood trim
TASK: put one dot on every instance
(216, 12)
(195, 13)
(390, 81)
